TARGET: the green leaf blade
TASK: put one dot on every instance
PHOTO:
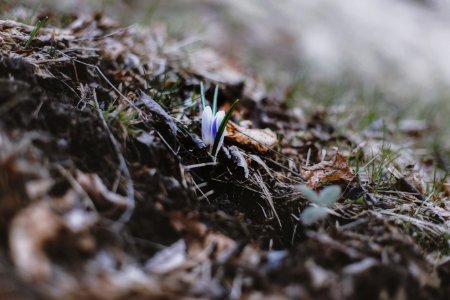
(216, 94)
(312, 214)
(222, 127)
(309, 194)
(202, 95)
(41, 23)
(329, 195)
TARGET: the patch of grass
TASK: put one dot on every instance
(6, 6)
(222, 127)
(123, 120)
(41, 23)
(163, 90)
(378, 167)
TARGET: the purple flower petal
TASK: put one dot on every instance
(217, 121)
(214, 128)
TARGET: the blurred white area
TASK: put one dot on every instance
(401, 47)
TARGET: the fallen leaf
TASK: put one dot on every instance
(39, 225)
(259, 139)
(325, 172)
(202, 244)
(31, 230)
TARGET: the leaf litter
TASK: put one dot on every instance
(70, 168)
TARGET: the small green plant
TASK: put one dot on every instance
(41, 23)
(214, 123)
(324, 200)
(123, 120)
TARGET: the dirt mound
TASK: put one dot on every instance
(108, 192)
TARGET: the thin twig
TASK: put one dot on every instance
(125, 217)
(267, 194)
(201, 192)
(200, 165)
(99, 71)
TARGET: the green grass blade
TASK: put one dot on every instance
(202, 95)
(309, 194)
(216, 93)
(222, 127)
(41, 23)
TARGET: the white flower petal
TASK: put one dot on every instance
(220, 144)
(219, 118)
(207, 121)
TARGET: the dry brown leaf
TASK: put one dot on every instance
(202, 244)
(332, 171)
(31, 229)
(216, 246)
(259, 139)
(37, 226)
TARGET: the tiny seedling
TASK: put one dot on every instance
(123, 119)
(222, 127)
(214, 123)
(324, 200)
(41, 23)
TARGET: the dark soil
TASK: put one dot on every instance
(98, 121)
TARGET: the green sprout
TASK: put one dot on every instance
(324, 200)
(41, 23)
(214, 123)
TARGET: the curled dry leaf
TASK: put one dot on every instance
(37, 226)
(109, 204)
(259, 139)
(411, 184)
(169, 259)
(201, 244)
(332, 171)
(28, 236)
(237, 161)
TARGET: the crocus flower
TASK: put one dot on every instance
(210, 126)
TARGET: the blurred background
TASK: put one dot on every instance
(364, 60)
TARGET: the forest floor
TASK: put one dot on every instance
(108, 192)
